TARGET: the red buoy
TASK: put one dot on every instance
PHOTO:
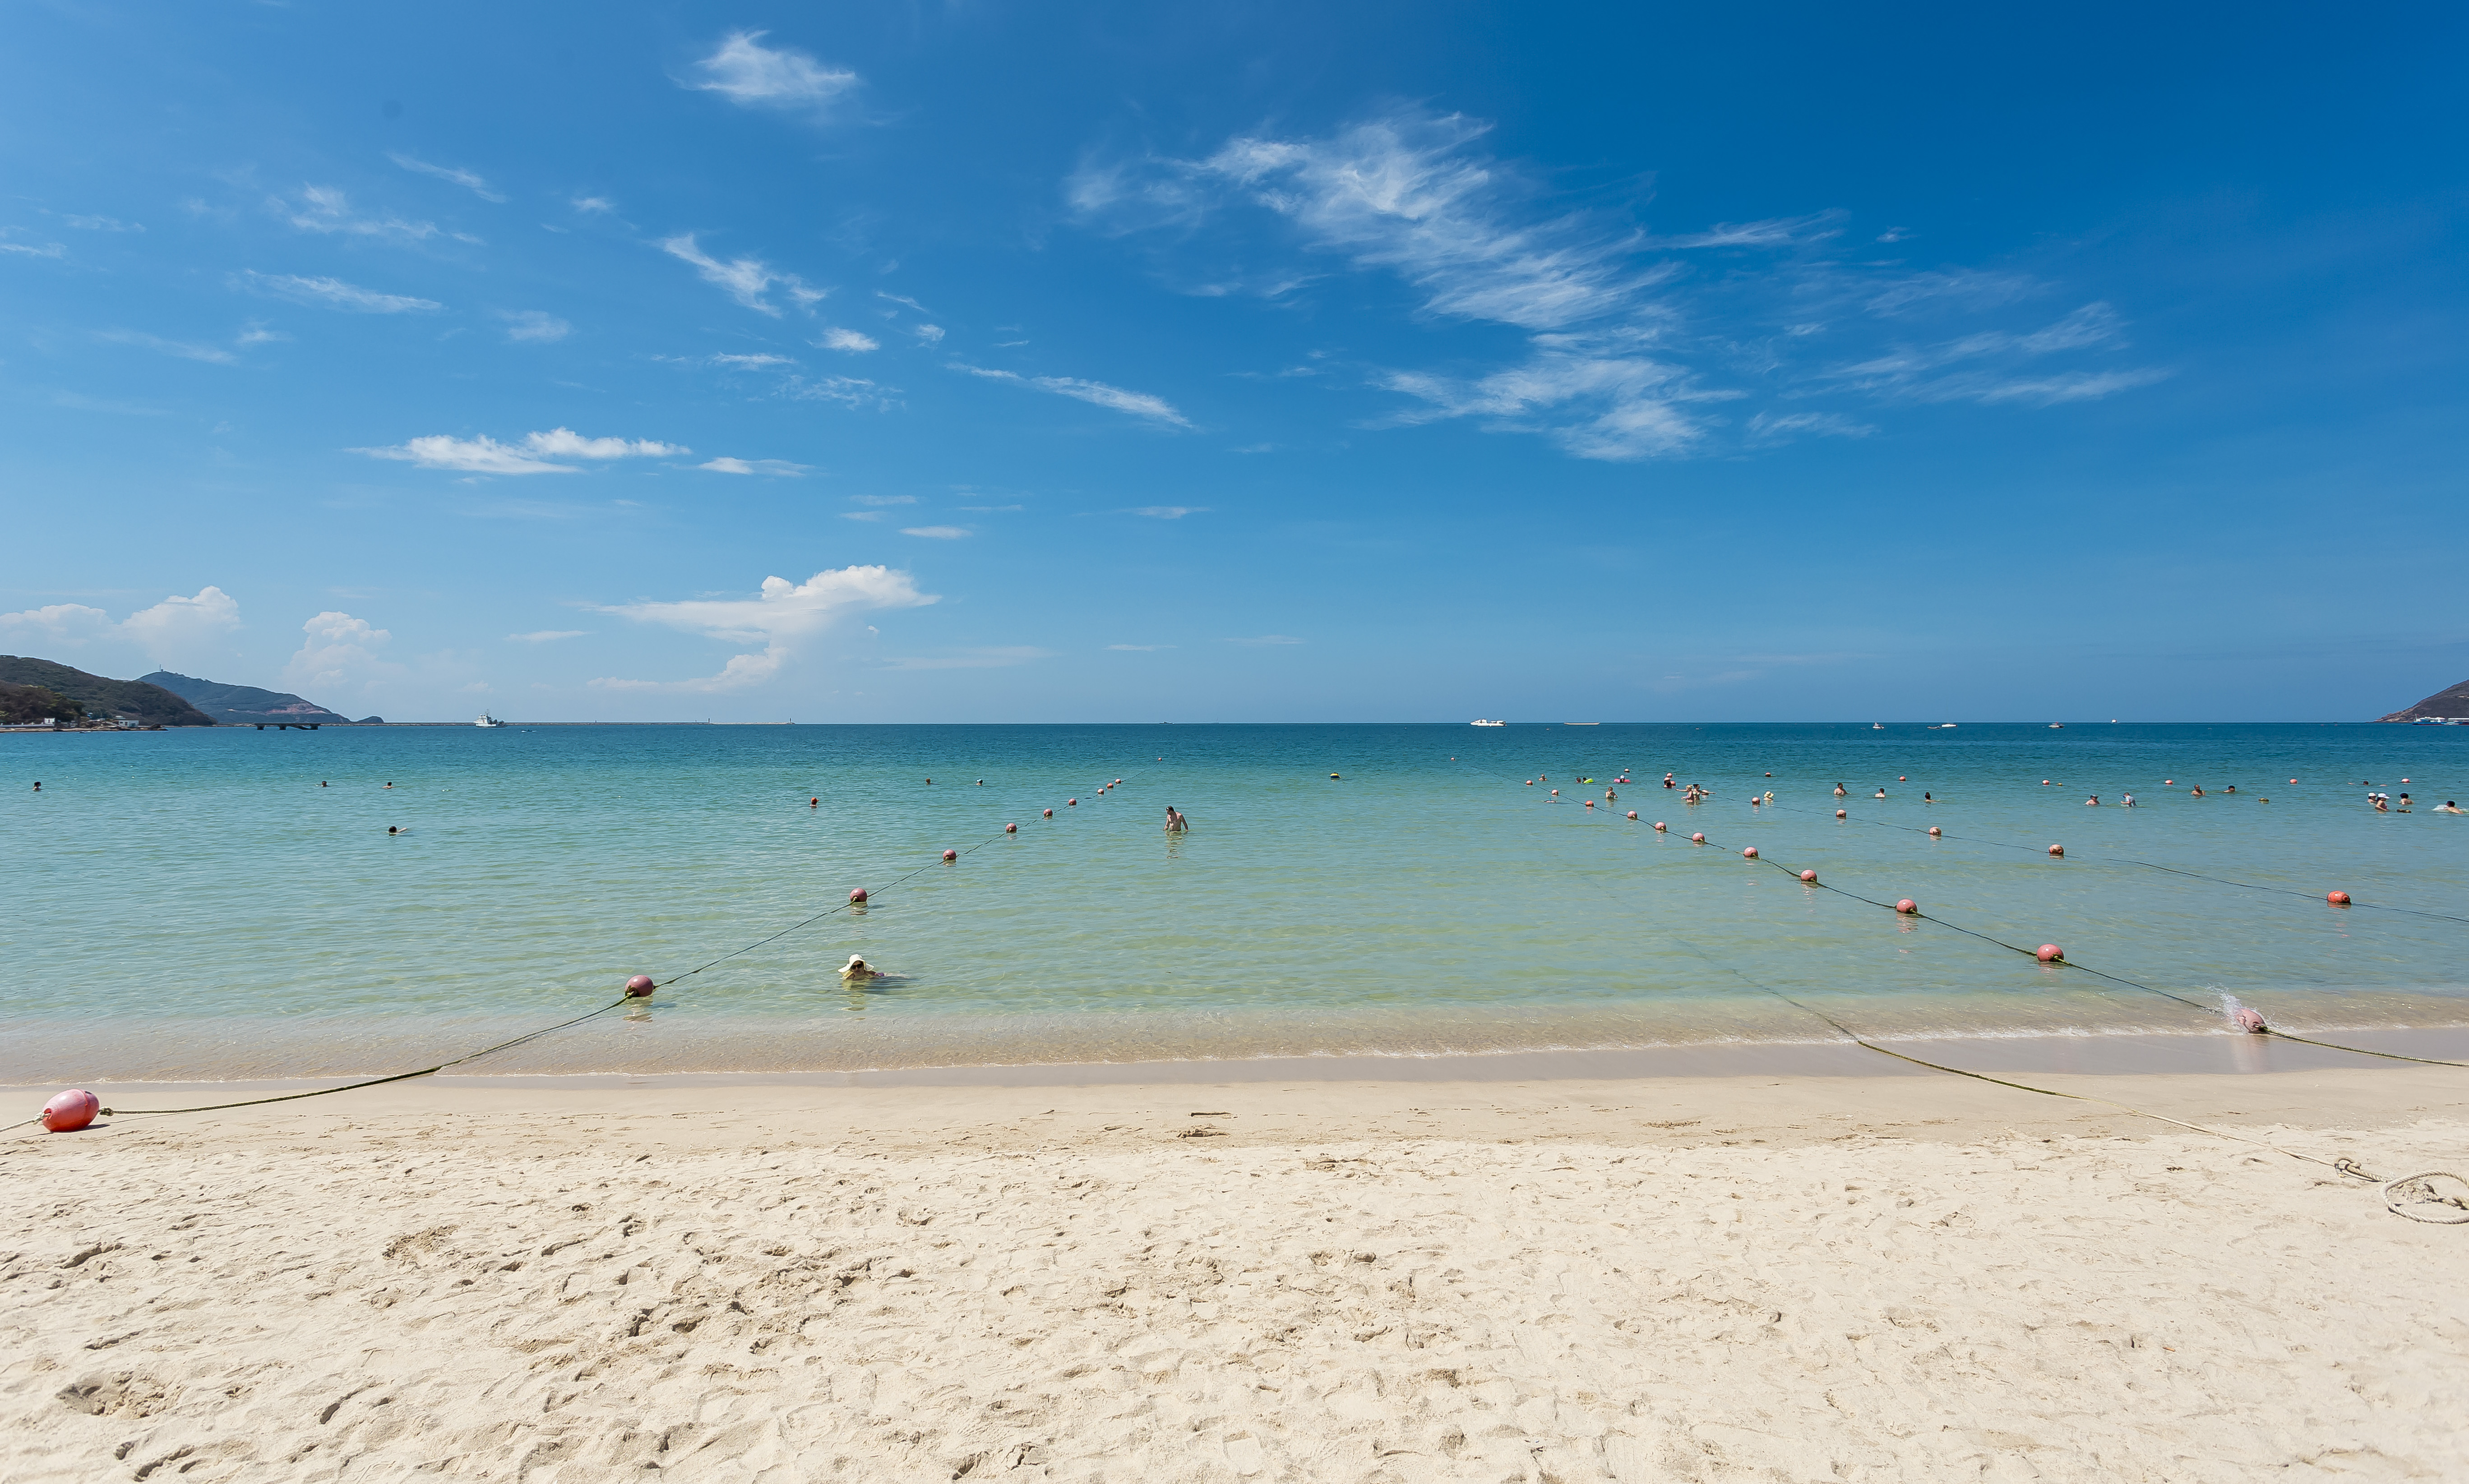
(951, 855)
(640, 987)
(1908, 907)
(1811, 877)
(2338, 898)
(1698, 839)
(1011, 828)
(1632, 813)
(2247, 1019)
(1556, 793)
(1590, 804)
(1050, 813)
(1839, 815)
(71, 1111)
(2057, 850)
(1750, 854)
(858, 896)
(1659, 825)
(812, 803)
(1934, 830)
(1072, 801)
(2050, 953)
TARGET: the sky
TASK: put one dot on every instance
(1252, 362)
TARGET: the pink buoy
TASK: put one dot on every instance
(2050, 953)
(1750, 854)
(1934, 830)
(1660, 826)
(1072, 801)
(1698, 839)
(1809, 876)
(71, 1111)
(2057, 850)
(1530, 782)
(1590, 804)
(1632, 813)
(2292, 781)
(2338, 898)
(1556, 793)
(1908, 907)
(640, 987)
(2169, 781)
(951, 855)
(2246, 1019)
(1839, 815)
(1050, 813)
(1011, 828)
(857, 895)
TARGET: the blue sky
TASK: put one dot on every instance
(1283, 362)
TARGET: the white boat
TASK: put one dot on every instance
(1877, 726)
(487, 720)
(1480, 722)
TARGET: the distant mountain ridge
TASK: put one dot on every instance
(244, 705)
(2448, 704)
(136, 701)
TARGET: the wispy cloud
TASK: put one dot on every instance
(1140, 405)
(182, 349)
(972, 659)
(745, 71)
(332, 293)
(776, 468)
(28, 250)
(1166, 512)
(547, 635)
(1982, 366)
(783, 619)
(1265, 639)
(534, 325)
(746, 280)
(883, 499)
(327, 210)
(254, 332)
(836, 339)
(449, 174)
(537, 454)
(937, 533)
(103, 224)
(1595, 404)
(594, 205)
(1138, 649)
(1777, 427)
(847, 390)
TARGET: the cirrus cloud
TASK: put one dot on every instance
(537, 454)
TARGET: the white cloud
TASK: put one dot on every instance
(327, 210)
(176, 633)
(333, 293)
(972, 659)
(1140, 649)
(180, 348)
(1167, 511)
(547, 635)
(594, 205)
(746, 280)
(2072, 387)
(774, 467)
(861, 514)
(534, 325)
(1595, 405)
(747, 72)
(848, 340)
(932, 334)
(1919, 373)
(534, 455)
(103, 224)
(48, 250)
(937, 533)
(1140, 405)
(781, 620)
(1773, 427)
(254, 332)
(883, 499)
(341, 652)
(847, 390)
(1266, 639)
(892, 298)
(448, 173)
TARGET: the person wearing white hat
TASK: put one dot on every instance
(857, 970)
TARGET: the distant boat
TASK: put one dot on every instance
(2057, 727)
(1877, 726)
(1480, 722)
(487, 720)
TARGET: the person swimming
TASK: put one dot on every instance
(2093, 802)
(2447, 807)
(1840, 791)
(2127, 802)
(1881, 794)
(857, 970)
(1175, 823)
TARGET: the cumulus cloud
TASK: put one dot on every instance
(173, 633)
(341, 652)
(536, 454)
(1140, 405)
(778, 468)
(332, 293)
(932, 334)
(747, 72)
(783, 619)
(538, 325)
(185, 350)
(746, 280)
(449, 174)
(836, 339)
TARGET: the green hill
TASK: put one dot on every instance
(102, 697)
(242, 705)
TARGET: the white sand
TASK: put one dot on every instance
(1825, 1278)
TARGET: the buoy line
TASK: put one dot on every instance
(2149, 865)
(2413, 1187)
(858, 898)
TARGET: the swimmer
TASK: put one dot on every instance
(2447, 807)
(397, 830)
(1610, 794)
(2380, 807)
(322, 783)
(1840, 791)
(1927, 797)
(2403, 802)
(982, 783)
(2093, 802)
(1667, 780)
(2196, 792)
(38, 786)
(1175, 823)
(930, 780)
(2127, 802)
(1881, 794)
(857, 970)
(389, 786)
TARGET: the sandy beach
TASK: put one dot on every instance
(1895, 1277)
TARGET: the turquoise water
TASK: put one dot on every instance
(193, 904)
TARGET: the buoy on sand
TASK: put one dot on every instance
(2338, 898)
(858, 896)
(951, 855)
(2050, 953)
(640, 987)
(1908, 907)
(71, 1111)
(2247, 1019)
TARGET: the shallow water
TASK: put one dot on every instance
(193, 904)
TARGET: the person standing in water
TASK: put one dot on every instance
(1175, 823)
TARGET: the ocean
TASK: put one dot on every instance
(228, 904)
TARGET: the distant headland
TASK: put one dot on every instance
(33, 691)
